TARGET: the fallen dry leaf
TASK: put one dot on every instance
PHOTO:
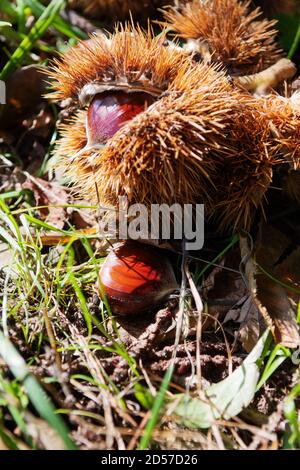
(48, 194)
(40, 123)
(223, 289)
(247, 314)
(227, 295)
(276, 303)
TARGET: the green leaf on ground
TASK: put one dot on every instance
(225, 399)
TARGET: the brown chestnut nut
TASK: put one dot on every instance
(109, 111)
(136, 278)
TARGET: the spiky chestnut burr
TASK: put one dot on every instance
(120, 9)
(284, 117)
(136, 278)
(226, 32)
(284, 114)
(200, 141)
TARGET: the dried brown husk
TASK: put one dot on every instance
(230, 31)
(202, 141)
(128, 56)
(283, 114)
(248, 168)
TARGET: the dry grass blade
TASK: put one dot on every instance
(36, 394)
(95, 368)
(199, 307)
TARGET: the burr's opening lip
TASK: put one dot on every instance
(90, 90)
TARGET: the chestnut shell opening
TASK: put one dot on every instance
(110, 110)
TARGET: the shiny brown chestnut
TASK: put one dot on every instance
(136, 278)
(109, 111)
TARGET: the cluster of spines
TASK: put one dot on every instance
(127, 55)
(202, 140)
(234, 35)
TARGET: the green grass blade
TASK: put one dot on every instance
(21, 16)
(292, 435)
(59, 24)
(156, 409)
(79, 294)
(36, 32)
(235, 238)
(278, 281)
(9, 9)
(295, 44)
(277, 357)
(8, 440)
(3, 24)
(37, 396)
